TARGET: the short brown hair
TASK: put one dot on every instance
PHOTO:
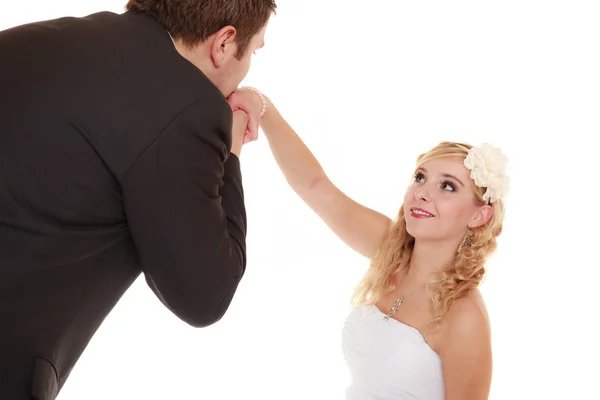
(193, 21)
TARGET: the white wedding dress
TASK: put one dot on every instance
(389, 360)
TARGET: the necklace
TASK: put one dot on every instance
(400, 300)
(397, 304)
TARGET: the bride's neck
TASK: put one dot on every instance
(430, 257)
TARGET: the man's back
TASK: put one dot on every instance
(94, 116)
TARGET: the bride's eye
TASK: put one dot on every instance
(448, 186)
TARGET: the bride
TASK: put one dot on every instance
(419, 328)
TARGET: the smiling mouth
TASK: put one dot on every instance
(417, 212)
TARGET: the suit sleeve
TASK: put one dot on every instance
(184, 203)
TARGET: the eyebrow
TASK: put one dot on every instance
(446, 176)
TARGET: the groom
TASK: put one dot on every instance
(117, 157)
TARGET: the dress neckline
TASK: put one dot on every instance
(405, 325)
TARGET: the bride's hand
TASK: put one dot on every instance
(251, 104)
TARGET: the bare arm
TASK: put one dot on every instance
(359, 227)
(466, 352)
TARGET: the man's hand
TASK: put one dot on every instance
(251, 104)
(239, 131)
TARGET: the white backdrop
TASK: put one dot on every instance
(369, 86)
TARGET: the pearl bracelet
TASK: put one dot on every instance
(263, 100)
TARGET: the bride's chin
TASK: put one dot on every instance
(420, 235)
(416, 233)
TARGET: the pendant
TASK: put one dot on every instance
(397, 304)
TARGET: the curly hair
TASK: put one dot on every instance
(467, 270)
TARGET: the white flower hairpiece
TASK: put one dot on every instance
(488, 170)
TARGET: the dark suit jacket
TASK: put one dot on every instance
(114, 160)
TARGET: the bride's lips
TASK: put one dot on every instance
(420, 213)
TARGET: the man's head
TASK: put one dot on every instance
(217, 36)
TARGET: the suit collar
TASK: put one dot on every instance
(149, 23)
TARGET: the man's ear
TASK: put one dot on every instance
(482, 216)
(222, 45)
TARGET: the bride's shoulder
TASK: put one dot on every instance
(471, 308)
(467, 320)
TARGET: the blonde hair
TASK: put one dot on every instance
(465, 273)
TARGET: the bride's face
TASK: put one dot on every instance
(441, 204)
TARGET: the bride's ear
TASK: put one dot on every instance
(483, 215)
